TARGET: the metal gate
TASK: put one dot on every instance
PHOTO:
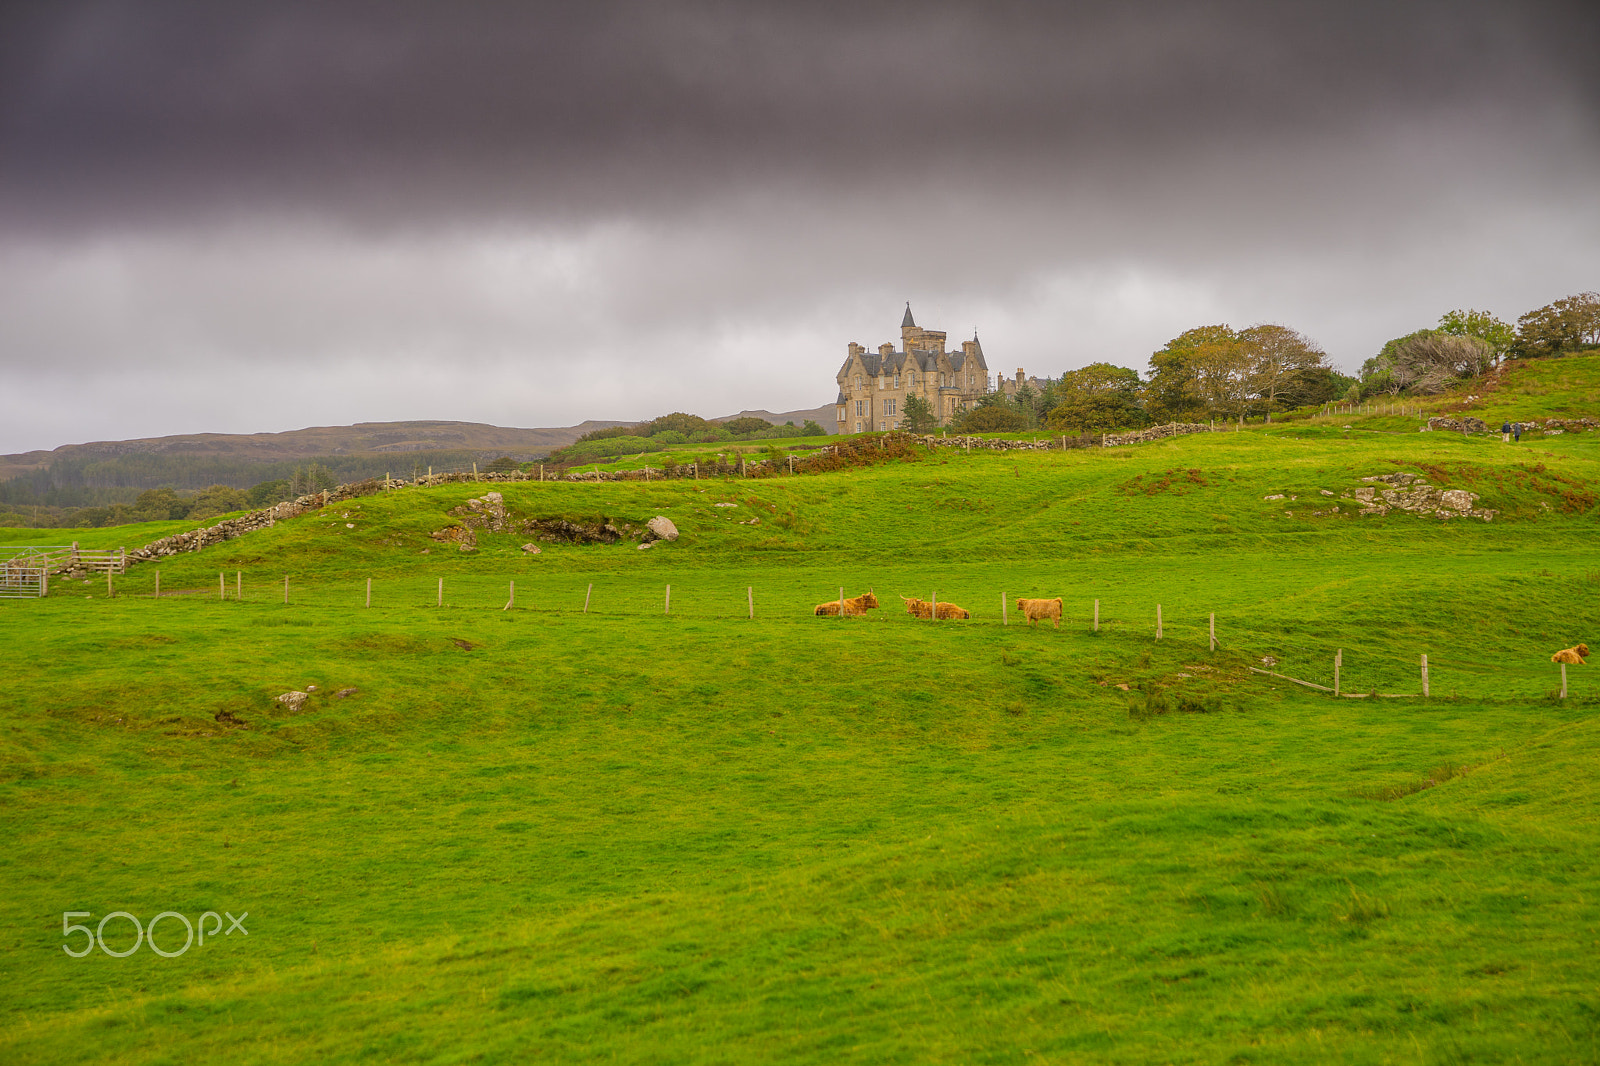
(24, 572)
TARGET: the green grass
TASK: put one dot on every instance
(631, 836)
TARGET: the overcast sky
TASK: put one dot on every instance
(237, 218)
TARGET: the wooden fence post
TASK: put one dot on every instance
(474, 471)
(750, 598)
(1338, 661)
(158, 586)
(1563, 680)
(222, 586)
(285, 588)
(108, 583)
(841, 601)
(1097, 616)
(1424, 675)
(586, 596)
(512, 597)
(669, 600)
(369, 592)
(1213, 629)
(238, 585)
(439, 602)
(933, 607)
(1158, 621)
(1003, 596)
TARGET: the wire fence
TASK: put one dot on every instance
(1356, 661)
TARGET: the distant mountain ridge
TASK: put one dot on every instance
(363, 438)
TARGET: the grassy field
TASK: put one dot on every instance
(627, 835)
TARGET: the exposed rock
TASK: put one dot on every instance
(663, 528)
(561, 531)
(532, 549)
(342, 693)
(294, 700)
(1409, 492)
(462, 535)
(1465, 425)
(647, 544)
(1171, 429)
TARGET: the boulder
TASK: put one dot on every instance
(663, 528)
(293, 701)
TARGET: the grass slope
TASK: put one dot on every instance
(704, 838)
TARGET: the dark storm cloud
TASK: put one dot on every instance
(534, 214)
(388, 111)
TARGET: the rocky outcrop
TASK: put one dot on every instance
(1411, 492)
(661, 528)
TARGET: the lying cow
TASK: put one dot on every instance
(1575, 656)
(857, 605)
(923, 609)
(1040, 610)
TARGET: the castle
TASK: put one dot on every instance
(873, 386)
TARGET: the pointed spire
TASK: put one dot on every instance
(908, 320)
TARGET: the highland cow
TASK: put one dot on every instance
(1039, 610)
(853, 607)
(1574, 656)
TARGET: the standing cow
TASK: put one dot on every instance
(1038, 610)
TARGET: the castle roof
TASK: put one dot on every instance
(908, 320)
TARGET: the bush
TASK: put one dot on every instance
(991, 418)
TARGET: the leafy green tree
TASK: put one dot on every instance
(218, 499)
(990, 418)
(1276, 360)
(162, 505)
(1480, 324)
(1562, 326)
(502, 464)
(811, 429)
(268, 493)
(1097, 397)
(1175, 392)
(916, 414)
(687, 424)
(747, 426)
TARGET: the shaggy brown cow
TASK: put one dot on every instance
(1575, 656)
(857, 605)
(1039, 610)
(921, 609)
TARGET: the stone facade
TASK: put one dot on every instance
(874, 385)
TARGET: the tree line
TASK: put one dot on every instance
(1218, 372)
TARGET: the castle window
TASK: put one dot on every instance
(840, 416)
(858, 426)
(882, 426)
(861, 409)
(880, 382)
(888, 407)
(897, 381)
(858, 381)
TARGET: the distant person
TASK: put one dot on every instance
(1505, 432)
(1516, 431)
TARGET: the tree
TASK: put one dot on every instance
(504, 463)
(162, 505)
(917, 415)
(1174, 391)
(1558, 327)
(1277, 358)
(740, 427)
(218, 499)
(266, 493)
(687, 424)
(1097, 397)
(990, 418)
(1480, 324)
(811, 429)
(1425, 362)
